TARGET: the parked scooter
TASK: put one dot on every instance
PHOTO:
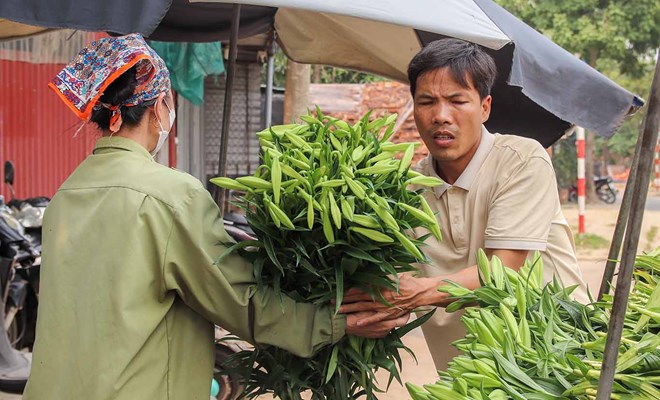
(15, 249)
(225, 386)
(23, 297)
(30, 211)
(605, 191)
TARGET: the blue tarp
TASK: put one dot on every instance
(189, 64)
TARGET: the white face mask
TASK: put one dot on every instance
(163, 134)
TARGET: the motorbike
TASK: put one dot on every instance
(225, 386)
(23, 299)
(605, 190)
(29, 212)
(16, 254)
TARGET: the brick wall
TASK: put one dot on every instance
(351, 101)
(243, 146)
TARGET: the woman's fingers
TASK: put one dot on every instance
(390, 314)
(349, 308)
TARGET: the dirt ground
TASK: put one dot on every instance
(600, 220)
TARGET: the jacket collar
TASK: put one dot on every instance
(109, 144)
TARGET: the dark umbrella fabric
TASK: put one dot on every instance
(540, 92)
(562, 84)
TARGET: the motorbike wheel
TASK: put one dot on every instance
(607, 195)
(11, 386)
(16, 330)
(230, 387)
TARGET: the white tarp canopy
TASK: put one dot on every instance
(540, 92)
(541, 88)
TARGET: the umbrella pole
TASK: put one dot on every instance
(620, 227)
(641, 179)
(226, 112)
(269, 85)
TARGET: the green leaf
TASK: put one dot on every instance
(332, 364)
(361, 254)
(270, 250)
(339, 282)
(235, 247)
(415, 324)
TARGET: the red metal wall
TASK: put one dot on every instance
(37, 130)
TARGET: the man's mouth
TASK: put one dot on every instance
(443, 138)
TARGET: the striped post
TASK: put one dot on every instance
(581, 183)
(656, 181)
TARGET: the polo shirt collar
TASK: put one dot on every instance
(108, 144)
(468, 176)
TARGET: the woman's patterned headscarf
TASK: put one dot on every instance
(81, 83)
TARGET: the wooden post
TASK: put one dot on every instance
(296, 94)
(649, 139)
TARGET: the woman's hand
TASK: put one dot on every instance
(373, 330)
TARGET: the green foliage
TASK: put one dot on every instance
(564, 160)
(331, 208)
(617, 37)
(590, 241)
(620, 30)
(527, 340)
(328, 74)
(621, 146)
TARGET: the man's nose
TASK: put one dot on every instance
(441, 115)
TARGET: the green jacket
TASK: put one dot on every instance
(129, 293)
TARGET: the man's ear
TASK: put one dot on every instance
(485, 108)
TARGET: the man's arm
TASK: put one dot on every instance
(518, 218)
(419, 292)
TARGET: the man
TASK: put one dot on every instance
(499, 194)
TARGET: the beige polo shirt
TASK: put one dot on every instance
(505, 199)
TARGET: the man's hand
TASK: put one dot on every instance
(417, 292)
(413, 293)
(374, 330)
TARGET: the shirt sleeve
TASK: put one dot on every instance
(524, 205)
(226, 294)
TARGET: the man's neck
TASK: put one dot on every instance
(448, 173)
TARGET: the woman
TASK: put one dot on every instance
(129, 289)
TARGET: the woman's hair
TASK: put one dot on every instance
(466, 61)
(117, 92)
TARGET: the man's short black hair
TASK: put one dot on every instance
(464, 60)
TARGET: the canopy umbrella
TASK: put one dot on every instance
(541, 89)
(540, 92)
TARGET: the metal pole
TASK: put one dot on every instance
(226, 113)
(269, 86)
(641, 180)
(581, 183)
(620, 227)
(656, 181)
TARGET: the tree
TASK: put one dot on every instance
(622, 32)
(621, 147)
